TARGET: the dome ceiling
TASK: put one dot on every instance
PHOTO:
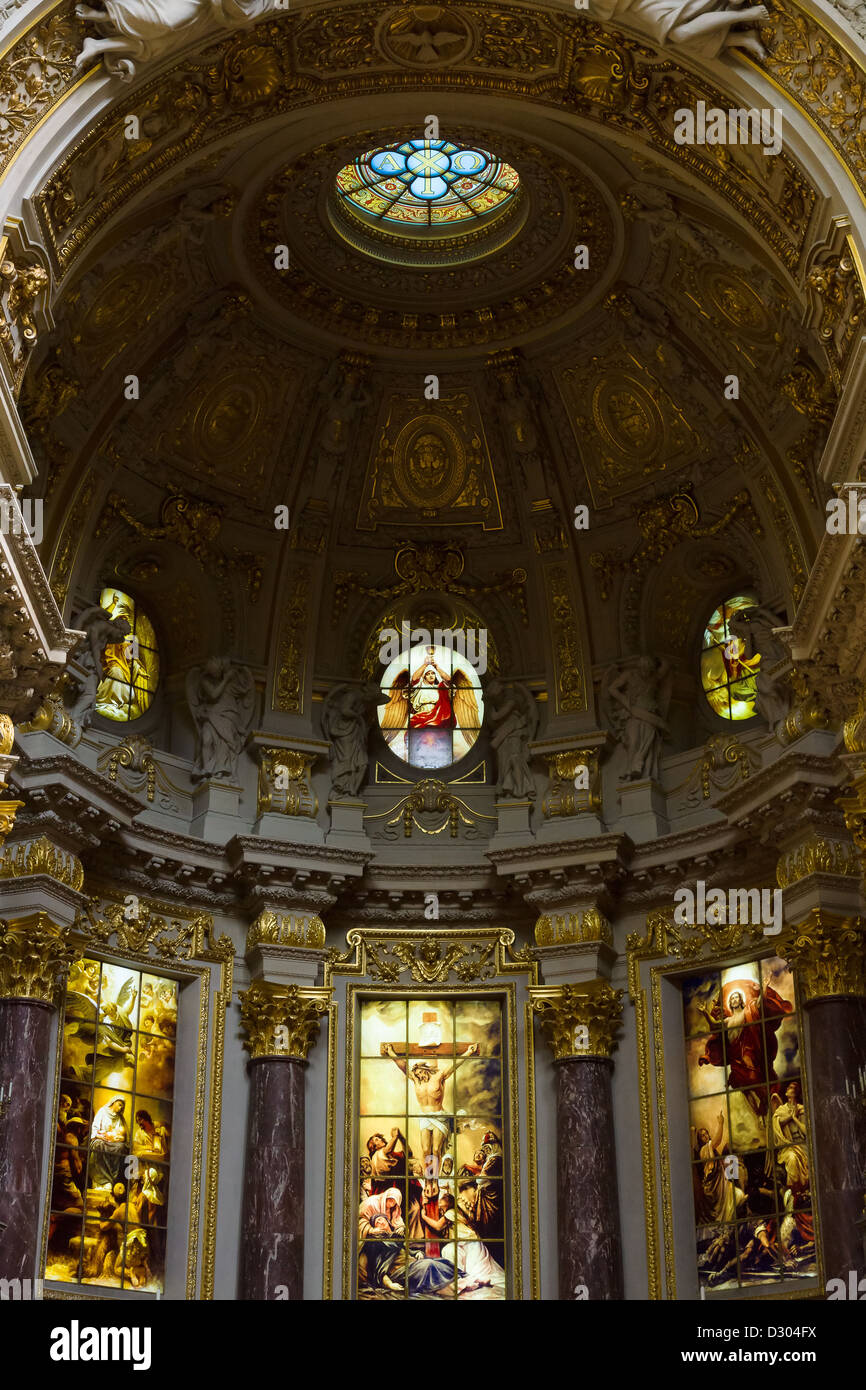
(281, 366)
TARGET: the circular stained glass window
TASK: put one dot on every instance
(426, 190)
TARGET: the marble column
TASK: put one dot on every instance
(580, 1022)
(33, 952)
(282, 1023)
(828, 955)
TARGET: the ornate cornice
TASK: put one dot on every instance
(579, 1020)
(282, 1020)
(34, 953)
(828, 954)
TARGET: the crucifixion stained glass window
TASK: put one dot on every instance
(431, 1213)
(427, 183)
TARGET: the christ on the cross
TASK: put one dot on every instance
(429, 1085)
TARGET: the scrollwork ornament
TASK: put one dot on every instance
(579, 1020)
(282, 1020)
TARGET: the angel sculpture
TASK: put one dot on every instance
(701, 28)
(759, 651)
(104, 635)
(139, 31)
(221, 697)
(345, 724)
(430, 699)
(636, 705)
(514, 716)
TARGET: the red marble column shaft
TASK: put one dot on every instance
(25, 1033)
(272, 1231)
(837, 1060)
(590, 1242)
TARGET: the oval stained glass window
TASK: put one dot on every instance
(130, 668)
(417, 185)
(729, 676)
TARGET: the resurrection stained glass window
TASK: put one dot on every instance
(130, 668)
(431, 1198)
(434, 707)
(728, 675)
(749, 1129)
(420, 184)
(109, 1188)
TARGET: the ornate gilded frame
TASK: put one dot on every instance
(184, 947)
(683, 948)
(482, 961)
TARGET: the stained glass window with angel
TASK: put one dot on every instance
(434, 707)
(110, 1180)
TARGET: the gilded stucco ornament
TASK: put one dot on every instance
(828, 953)
(39, 857)
(34, 953)
(141, 925)
(279, 929)
(431, 808)
(579, 1020)
(284, 784)
(52, 717)
(563, 796)
(818, 855)
(282, 1020)
(560, 929)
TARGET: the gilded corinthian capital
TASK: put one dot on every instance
(282, 1020)
(579, 1020)
(34, 953)
(828, 954)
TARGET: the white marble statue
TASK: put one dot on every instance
(221, 698)
(101, 629)
(346, 724)
(855, 13)
(137, 31)
(636, 703)
(701, 28)
(514, 716)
